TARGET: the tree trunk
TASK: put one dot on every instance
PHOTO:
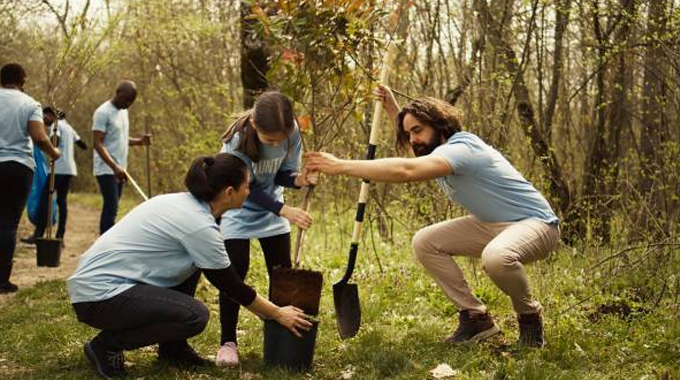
(654, 125)
(612, 115)
(562, 19)
(558, 191)
(254, 58)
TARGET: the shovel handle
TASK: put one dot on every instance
(54, 140)
(306, 205)
(136, 186)
(353, 248)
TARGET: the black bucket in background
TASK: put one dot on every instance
(283, 349)
(49, 252)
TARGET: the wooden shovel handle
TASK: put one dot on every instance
(306, 205)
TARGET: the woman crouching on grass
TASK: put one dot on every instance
(137, 282)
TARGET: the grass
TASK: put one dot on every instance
(405, 319)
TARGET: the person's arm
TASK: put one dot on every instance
(395, 170)
(77, 140)
(140, 141)
(287, 178)
(296, 180)
(289, 174)
(228, 282)
(295, 215)
(259, 197)
(390, 104)
(98, 142)
(36, 130)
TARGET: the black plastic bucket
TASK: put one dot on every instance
(49, 252)
(283, 349)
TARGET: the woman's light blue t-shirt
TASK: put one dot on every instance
(115, 123)
(16, 110)
(252, 220)
(487, 185)
(161, 242)
(66, 164)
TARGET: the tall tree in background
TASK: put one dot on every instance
(559, 192)
(254, 55)
(654, 123)
(612, 114)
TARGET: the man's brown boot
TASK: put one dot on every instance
(473, 327)
(530, 330)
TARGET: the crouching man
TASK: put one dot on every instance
(510, 224)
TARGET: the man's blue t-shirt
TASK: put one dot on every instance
(16, 110)
(252, 220)
(487, 185)
(161, 242)
(116, 124)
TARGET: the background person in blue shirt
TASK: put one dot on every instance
(267, 138)
(21, 124)
(509, 224)
(64, 170)
(111, 138)
(137, 282)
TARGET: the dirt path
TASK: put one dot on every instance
(82, 229)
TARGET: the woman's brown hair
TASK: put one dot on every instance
(272, 113)
(443, 117)
(208, 175)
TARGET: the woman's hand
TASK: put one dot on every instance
(293, 319)
(297, 216)
(307, 177)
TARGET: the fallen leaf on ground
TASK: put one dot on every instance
(443, 371)
(347, 373)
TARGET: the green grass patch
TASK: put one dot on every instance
(405, 319)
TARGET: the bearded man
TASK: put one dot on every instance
(509, 223)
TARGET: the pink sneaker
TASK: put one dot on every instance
(227, 356)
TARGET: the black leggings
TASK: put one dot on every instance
(61, 187)
(144, 315)
(276, 251)
(16, 184)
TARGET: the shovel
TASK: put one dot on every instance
(136, 186)
(346, 295)
(298, 287)
(48, 249)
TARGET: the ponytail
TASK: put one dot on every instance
(208, 175)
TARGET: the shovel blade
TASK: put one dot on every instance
(347, 309)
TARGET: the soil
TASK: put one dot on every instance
(297, 287)
(82, 229)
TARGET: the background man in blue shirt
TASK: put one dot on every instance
(21, 124)
(111, 138)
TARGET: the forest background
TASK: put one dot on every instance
(581, 96)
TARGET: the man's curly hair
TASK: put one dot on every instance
(443, 117)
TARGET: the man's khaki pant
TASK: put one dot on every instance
(503, 247)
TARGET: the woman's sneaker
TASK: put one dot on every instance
(473, 327)
(227, 356)
(109, 364)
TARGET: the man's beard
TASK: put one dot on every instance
(424, 149)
